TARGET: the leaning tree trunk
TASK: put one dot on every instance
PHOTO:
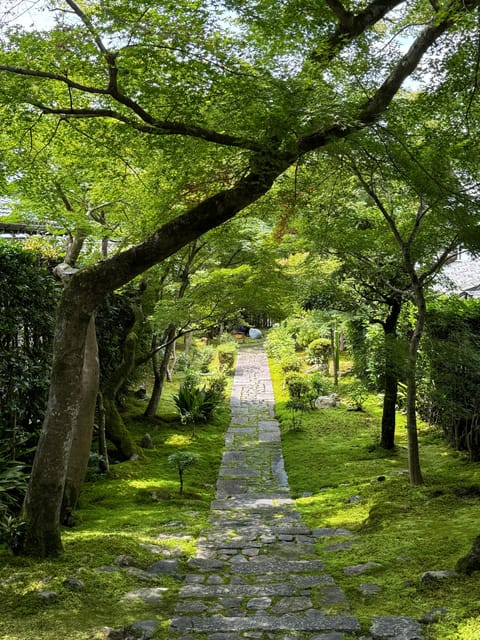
(160, 370)
(390, 377)
(85, 290)
(82, 435)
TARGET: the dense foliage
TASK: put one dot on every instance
(28, 297)
(450, 388)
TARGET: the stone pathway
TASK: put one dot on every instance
(257, 574)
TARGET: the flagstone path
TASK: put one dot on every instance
(257, 574)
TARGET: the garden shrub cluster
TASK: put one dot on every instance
(28, 298)
(449, 391)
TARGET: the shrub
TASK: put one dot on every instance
(290, 363)
(205, 357)
(28, 297)
(195, 404)
(13, 484)
(320, 385)
(226, 353)
(319, 351)
(297, 385)
(182, 460)
(11, 531)
(279, 344)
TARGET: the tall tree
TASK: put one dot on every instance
(255, 99)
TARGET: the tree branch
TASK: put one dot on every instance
(155, 127)
(350, 25)
(382, 98)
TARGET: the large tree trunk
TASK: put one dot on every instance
(41, 509)
(160, 370)
(82, 435)
(390, 377)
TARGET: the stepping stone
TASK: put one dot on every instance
(370, 589)
(315, 621)
(395, 628)
(359, 569)
(149, 596)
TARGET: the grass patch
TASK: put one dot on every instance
(123, 514)
(341, 478)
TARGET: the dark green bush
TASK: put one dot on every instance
(298, 385)
(28, 297)
(449, 389)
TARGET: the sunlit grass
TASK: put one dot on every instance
(122, 514)
(341, 478)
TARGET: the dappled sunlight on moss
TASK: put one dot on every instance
(178, 440)
(343, 479)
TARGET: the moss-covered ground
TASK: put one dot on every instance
(331, 460)
(117, 515)
(341, 478)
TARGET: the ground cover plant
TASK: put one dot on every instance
(136, 511)
(340, 477)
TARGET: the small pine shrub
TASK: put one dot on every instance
(180, 461)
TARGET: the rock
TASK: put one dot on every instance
(74, 584)
(433, 615)
(113, 634)
(47, 597)
(163, 566)
(142, 630)
(124, 561)
(146, 442)
(340, 546)
(140, 574)
(471, 562)
(150, 596)
(370, 589)
(381, 479)
(254, 333)
(327, 402)
(395, 628)
(354, 499)
(359, 569)
(292, 604)
(259, 603)
(436, 576)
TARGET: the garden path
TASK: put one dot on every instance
(257, 573)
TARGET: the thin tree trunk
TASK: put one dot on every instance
(104, 463)
(172, 362)
(82, 435)
(413, 451)
(390, 377)
(115, 428)
(160, 371)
